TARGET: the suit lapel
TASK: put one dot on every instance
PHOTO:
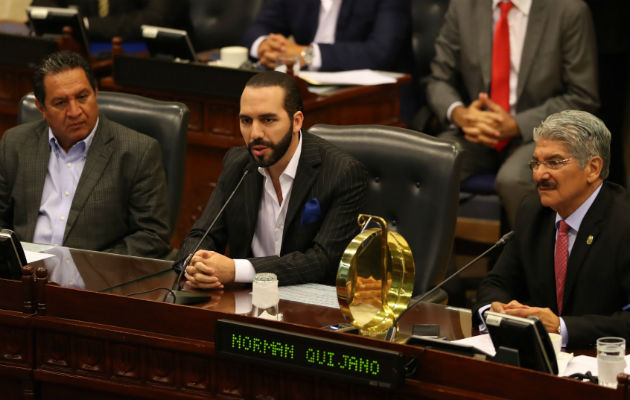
(252, 190)
(546, 267)
(345, 14)
(484, 28)
(97, 160)
(536, 23)
(40, 156)
(307, 172)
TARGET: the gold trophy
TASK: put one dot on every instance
(375, 278)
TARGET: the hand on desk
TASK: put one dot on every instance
(485, 122)
(546, 316)
(276, 45)
(209, 270)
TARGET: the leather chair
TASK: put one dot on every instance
(414, 186)
(167, 122)
(218, 23)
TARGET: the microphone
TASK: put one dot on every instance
(187, 297)
(391, 332)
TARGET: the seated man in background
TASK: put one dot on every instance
(500, 68)
(569, 261)
(297, 207)
(78, 179)
(105, 19)
(333, 35)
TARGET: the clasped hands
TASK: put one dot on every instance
(550, 320)
(485, 122)
(209, 270)
(276, 45)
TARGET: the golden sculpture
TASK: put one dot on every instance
(375, 277)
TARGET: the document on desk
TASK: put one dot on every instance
(354, 77)
(311, 293)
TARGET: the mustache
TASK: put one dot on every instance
(259, 142)
(546, 184)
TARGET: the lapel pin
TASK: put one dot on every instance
(589, 239)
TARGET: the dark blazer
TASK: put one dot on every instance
(120, 203)
(311, 250)
(598, 274)
(558, 65)
(370, 33)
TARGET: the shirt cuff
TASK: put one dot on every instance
(564, 333)
(243, 270)
(482, 326)
(450, 109)
(253, 51)
(316, 63)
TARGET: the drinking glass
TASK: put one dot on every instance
(265, 295)
(610, 360)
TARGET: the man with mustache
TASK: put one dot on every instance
(78, 179)
(296, 209)
(569, 261)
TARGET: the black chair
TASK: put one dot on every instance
(167, 122)
(218, 23)
(414, 185)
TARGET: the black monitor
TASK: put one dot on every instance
(12, 257)
(48, 22)
(527, 336)
(168, 43)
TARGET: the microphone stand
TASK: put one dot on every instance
(391, 331)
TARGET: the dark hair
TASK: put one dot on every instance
(292, 93)
(55, 63)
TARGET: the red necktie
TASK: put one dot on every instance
(560, 261)
(500, 80)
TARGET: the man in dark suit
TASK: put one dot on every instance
(78, 179)
(569, 261)
(334, 35)
(551, 62)
(297, 207)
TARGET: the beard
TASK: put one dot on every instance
(278, 150)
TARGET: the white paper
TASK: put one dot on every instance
(311, 293)
(352, 77)
(32, 256)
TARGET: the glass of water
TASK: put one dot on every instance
(611, 360)
(265, 296)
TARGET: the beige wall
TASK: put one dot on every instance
(14, 10)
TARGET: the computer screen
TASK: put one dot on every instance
(12, 257)
(48, 22)
(168, 43)
(525, 335)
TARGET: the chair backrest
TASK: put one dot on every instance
(167, 122)
(427, 17)
(414, 185)
(218, 23)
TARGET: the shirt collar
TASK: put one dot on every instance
(83, 144)
(292, 166)
(523, 5)
(575, 219)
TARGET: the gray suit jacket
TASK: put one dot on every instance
(120, 205)
(558, 65)
(311, 250)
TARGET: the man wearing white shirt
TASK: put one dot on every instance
(296, 210)
(333, 35)
(551, 65)
(569, 261)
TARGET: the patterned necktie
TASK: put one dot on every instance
(560, 261)
(500, 80)
(103, 8)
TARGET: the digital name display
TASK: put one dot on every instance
(376, 367)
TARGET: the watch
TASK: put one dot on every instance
(307, 55)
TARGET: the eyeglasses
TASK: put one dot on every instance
(551, 164)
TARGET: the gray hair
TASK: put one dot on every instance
(583, 134)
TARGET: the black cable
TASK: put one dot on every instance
(170, 291)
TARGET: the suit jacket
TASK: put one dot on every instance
(370, 33)
(310, 250)
(120, 202)
(597, 284)
(125, 16)
(558, 68)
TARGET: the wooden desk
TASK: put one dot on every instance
(86, 344)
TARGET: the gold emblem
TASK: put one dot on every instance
(589, 239)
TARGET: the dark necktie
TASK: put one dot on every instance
(560, 261)
(500, 80)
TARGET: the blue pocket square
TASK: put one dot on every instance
(312, 212)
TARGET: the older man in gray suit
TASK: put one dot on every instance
(78, 179)
(551, 65)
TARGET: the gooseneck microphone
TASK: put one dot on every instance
(391, 332)
(187, 297)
